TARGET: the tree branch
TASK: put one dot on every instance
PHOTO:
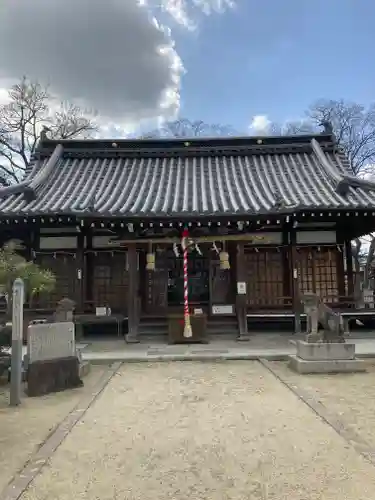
(31, 106)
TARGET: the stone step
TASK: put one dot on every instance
(215, 326)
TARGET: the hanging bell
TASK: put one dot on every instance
(150, 262)
(224, 260)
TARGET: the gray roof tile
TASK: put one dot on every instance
(221, 181)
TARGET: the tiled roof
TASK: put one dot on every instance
(203, 177)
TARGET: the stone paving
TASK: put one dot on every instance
(24, 429)
(269, 346)
(214, 430)
(350, 397)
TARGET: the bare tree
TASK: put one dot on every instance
(354, 129)
(189, 129)
(30, 107)
(304, 126)
(353, 126)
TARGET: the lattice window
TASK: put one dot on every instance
(221, 290)
(317, 272)
(264, 276)
(110, 281)
(63, 267)
(157, 285)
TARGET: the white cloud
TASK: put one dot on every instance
(3, 96)
(259, 124)
(367, 172)
(186, 12)
(110, 55)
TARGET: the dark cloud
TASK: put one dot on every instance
(109, 53)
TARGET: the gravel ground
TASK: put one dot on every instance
(226, 430)
(23, 429)
(351, 396)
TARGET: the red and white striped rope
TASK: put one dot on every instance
(186, 275)
(185, 244)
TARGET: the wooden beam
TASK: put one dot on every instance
(200, 239)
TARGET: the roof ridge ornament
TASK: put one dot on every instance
(43, 133)
(327, 127)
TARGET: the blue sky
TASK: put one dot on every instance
(275, 57)
(269, 57)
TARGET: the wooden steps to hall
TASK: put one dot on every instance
(150, 326)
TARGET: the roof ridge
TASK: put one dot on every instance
(180, 143)
(29, 185)
(343, 181)
(328, 166)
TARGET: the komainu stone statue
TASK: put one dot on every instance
(64, 310)
(319, 314)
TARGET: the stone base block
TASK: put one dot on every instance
(243, 338)
(326, 366)
(323, 351)
(54, 375)
(84, 368)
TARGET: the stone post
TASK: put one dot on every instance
(17, 336)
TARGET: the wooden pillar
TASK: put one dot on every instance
(132, 335)
(297, 307)
(241, 308)
(88, 276)
(29, 254)
(79, 291)
(287, 270)
(32, 245)
(349, 268)
(340, 269)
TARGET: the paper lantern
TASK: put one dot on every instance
(224, 260)
(150, 262)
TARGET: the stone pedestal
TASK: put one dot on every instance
(53, 362)
(54, 375)
(325, 358)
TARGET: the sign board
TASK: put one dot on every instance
(223, 309)
(57, 242)
(197, 312)
(104, 242)
(101, 311)
(50, 341)
(315, 237)
(264, 238)
(241, 288)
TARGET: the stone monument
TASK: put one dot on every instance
(324, 350)
(53, 363)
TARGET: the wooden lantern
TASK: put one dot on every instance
(224, 260)
(150, 262)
